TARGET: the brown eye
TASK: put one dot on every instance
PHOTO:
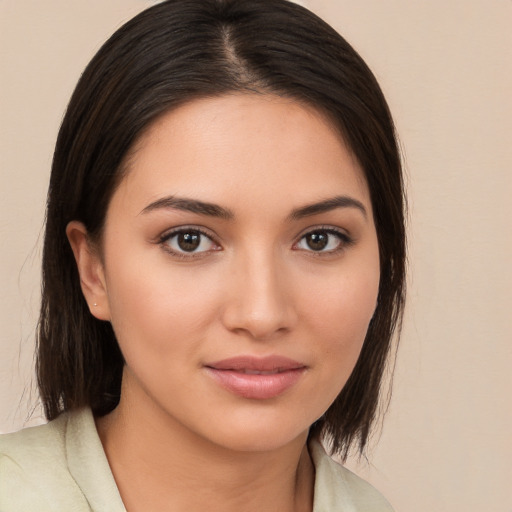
(317, 241)
(323, 241)
(189, 241)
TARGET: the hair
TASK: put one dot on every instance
(170, 54)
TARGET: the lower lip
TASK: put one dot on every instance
(257, 387)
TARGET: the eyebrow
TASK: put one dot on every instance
(190, 205)
(328, 205)
(214, 210)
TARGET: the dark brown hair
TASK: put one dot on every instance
(170, 54)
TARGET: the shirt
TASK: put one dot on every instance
(61, 466)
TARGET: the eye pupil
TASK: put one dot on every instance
(317, 241)
(189, 242)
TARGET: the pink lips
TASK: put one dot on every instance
(256, 378)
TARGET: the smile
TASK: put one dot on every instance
(261, 372)
(256, 378)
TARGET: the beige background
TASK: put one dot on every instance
(445, 66)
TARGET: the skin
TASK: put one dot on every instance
(255, 286)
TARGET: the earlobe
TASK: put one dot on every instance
(90, 269)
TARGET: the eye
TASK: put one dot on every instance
(188, 241)
(323, 240)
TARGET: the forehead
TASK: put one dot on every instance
(224, 147)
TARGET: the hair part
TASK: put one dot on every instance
(170, 54)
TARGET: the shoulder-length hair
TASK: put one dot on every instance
(170, 54)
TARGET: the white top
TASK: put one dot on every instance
(61, 466)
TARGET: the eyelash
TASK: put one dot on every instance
(344, 241)
(169, 235)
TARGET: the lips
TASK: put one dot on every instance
(256, 378)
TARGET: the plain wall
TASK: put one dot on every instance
(445, 67)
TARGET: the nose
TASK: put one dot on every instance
(260, 302)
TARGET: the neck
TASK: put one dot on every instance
(160, 465)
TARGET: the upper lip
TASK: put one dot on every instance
(274, 364)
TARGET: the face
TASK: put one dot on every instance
(239, 269)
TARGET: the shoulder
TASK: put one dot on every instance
(337, 489)
(31, 445)
(37, 465)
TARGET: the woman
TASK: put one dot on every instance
(223, 270)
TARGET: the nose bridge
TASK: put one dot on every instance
(261, 303)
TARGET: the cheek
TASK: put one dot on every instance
(153, 307)
(344, 303)
(339, 317)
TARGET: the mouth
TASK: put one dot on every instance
(260, 372)
(256, 378)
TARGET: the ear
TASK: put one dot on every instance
(90, 268)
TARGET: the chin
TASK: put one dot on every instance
(261, 441)
(258, 433)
